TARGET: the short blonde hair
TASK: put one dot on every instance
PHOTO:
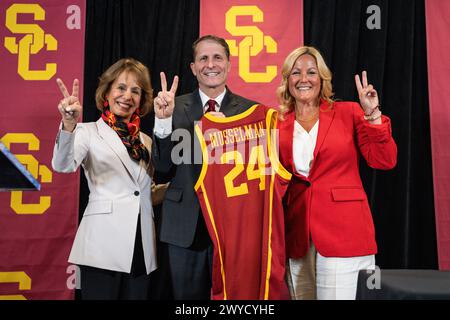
(285, 98)
(113, 72)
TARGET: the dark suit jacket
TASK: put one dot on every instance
(181, 208)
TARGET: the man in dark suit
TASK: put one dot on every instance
(176, 151)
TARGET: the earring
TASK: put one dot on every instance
(105, 104)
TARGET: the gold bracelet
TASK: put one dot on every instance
(372, 117)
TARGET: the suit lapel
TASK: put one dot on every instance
(286, 147)
(194, 112)
(229, 105)
(142, 164)
(113, 141)
(194, 108)
(286, 140)
(326, 117)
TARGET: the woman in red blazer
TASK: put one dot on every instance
(329, 229)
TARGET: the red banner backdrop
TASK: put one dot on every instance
(438, 48)
(260, 34)
(40, 41)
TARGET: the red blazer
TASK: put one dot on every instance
(331, 205)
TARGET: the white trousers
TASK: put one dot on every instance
(317, 277)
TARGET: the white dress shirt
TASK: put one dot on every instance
(205, 99)
(163, 127)
(303, 147)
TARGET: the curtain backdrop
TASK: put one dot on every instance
(160, 34)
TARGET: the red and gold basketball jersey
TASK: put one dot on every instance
(240, 189)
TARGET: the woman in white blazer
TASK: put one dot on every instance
(115, 242)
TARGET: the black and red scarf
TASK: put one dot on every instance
(128, 133)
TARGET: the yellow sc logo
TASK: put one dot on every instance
(34, 168)
(31, 43)
(251, 45)
(19, 277)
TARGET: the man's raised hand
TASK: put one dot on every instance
(164, 103)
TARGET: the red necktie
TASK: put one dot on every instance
(211, 106)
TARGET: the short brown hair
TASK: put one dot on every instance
(114, 71)
(285, 98)
(210, 37)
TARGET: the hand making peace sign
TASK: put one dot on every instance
(368, 96)
(164, 103)
(69, 107)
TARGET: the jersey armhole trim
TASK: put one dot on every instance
(205, 159)
(271, 125)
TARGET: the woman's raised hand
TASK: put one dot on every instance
(164, 103)
(69, 107)
(368, 96)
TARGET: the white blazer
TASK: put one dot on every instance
(119, 190)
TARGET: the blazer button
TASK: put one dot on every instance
(136, 193)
